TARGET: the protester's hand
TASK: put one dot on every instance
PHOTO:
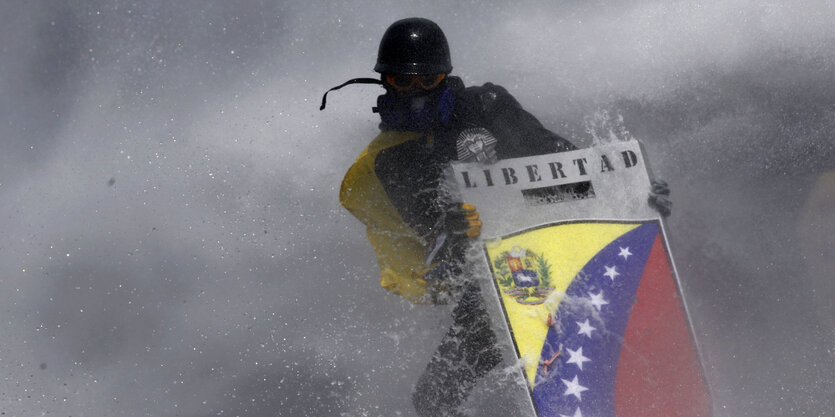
(441, 271)
(462, 220)
(659, 197)
(459, 222)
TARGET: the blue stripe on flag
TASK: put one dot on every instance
(589, 327)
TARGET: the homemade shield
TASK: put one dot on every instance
(584, 284)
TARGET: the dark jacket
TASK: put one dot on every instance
(394, 186)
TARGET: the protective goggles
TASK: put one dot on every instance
(403, 82)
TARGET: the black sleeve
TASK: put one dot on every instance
(522, 133)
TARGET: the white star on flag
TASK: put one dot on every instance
(625, 253)
(577, 413)
(585, 328)
(577, 357)
(574, 388)
(611, 272)
(597, 300)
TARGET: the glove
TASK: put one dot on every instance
(462, 220)
(440, 272)
(458, 223)
(659, 197)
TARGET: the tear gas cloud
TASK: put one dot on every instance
(173, 243)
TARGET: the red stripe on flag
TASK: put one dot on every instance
(658, 371)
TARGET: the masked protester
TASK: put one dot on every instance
(396, 188)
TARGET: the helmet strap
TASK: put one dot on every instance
(352, 81)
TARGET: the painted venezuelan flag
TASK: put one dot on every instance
(596, 316)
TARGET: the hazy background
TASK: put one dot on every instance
(172, 242)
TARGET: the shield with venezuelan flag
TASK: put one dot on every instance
(586, 286)
(605, 332)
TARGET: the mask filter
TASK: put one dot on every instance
(415, 112)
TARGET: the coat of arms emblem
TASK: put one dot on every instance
(523, 275)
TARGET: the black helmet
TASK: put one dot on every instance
(413, 46)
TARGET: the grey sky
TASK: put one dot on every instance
(173, 243)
